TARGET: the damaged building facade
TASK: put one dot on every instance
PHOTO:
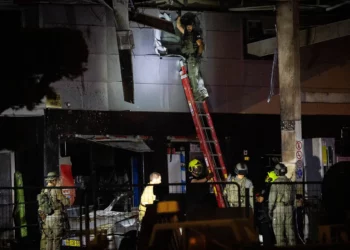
(127, 115)
(237, 75)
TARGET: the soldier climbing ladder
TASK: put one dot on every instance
(209, 143)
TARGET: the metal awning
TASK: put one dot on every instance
(130, 143)
(135, 146)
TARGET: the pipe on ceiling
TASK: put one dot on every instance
(273, 8)
(337, 6)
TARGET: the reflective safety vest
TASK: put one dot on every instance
(271, 177)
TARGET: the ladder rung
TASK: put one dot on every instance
(206, 127)
(203, 114)
(214, 154)
(211, 141)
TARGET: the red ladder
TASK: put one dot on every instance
(207, 137)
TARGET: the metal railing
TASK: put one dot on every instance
(109, 215)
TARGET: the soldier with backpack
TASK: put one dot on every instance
(281, 207)
(52, 215)
(231, 190)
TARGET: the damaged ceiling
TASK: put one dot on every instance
(258, 20)
(241, 5)
(228, 5)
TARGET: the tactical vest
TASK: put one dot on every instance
(48, 202)
(189, 45)
(45, 203)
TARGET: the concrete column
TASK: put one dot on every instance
(289, 83)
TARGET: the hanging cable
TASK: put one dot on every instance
(272, 80)
(274, 66)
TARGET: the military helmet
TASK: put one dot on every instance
(280, 169)
(188, 19)
(241, 169)
(195, 166)
(51, 176)
(271, 177)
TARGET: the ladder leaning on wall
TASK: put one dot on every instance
(206, 134)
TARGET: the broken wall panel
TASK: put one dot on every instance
(95, 96)
(97, 68)
(115, 94)
(153, 70)
(144, 41)
(149, 97)
(112, 44)
(159, 78)
(234, 85)
(71, 93)
(95, 37)
(113, 63)
(242, 84)
(57, 14)
(90, 91)
(93, 15)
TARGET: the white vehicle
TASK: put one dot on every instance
(117, 225)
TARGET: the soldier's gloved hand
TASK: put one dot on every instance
(210, 176)
(271, 215)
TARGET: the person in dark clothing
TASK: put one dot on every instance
(197, 192)
(263, 221)
(301, 220)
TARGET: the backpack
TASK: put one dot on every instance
(231, 191)
(45, 203)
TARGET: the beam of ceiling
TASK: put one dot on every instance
(152, 21)
(307, 37)
(125, 45)
(333, 98)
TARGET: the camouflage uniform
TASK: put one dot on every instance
(43, 240)
(281, 211)
(189, 50)
(231, 192)
(53, 225)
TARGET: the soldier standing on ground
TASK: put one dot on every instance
(281, 207)
(51, 211)
(231, 190)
